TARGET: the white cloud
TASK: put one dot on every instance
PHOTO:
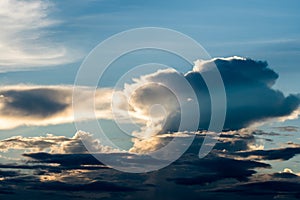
(203, 65)
(55, 144)
(294, 115)
(24, 40)
(152, 99)
(287, 170)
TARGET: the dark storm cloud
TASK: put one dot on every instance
(34, 105)
(38, 105)
(234, 143)
(87, 161)
(250, 96)
(68, 160)
(8, 173)
(285, 175)
(218, 168)
(34, 102)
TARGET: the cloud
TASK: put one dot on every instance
(272, 154)
(55, 144)
(39, 103)
(248, 84)
(269, 189)
(260, 132)
(250, 100)
(223, 174)
(73, 160)
(152, 101)
(218, 168)
(25, 39)
(97, 186)
(287, 128)
(4, 174)
(36, 105)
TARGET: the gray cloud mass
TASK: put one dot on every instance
(39, 103)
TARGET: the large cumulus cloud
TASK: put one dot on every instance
(251, 97)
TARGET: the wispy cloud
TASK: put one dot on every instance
(25, 37)
(287, 128)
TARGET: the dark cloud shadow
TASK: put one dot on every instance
(39, 103)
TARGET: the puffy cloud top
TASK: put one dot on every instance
(250, 96)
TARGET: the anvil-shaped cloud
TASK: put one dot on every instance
(248, 85)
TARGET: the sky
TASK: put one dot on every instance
(154, 107)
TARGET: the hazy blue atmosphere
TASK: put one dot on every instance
(254, 45)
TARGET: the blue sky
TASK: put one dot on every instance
(260, 30)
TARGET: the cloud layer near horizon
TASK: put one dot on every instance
(229, 171)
